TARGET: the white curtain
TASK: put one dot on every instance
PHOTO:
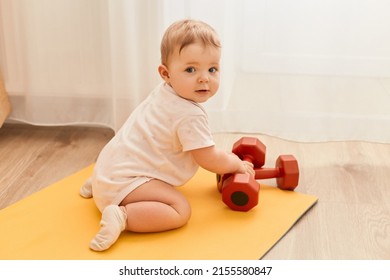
(304, 70)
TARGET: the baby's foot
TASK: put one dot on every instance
(112, 224)
(86, 189)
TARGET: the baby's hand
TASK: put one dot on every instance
(247, 167)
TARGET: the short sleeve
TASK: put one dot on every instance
(194, 133)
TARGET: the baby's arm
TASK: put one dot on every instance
(220, 162)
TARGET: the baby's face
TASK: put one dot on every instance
(194, 72)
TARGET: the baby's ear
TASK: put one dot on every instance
(164, 73)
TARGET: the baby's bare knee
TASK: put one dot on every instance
(183, 208)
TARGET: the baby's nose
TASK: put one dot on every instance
(203, 78)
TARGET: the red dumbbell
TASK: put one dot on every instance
(240, 191)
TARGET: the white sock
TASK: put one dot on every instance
(86, 189)
(113, 222)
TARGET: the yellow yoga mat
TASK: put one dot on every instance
(57, 223)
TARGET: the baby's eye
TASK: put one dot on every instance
(190, 70)
(213, 70)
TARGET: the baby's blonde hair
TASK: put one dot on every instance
(185, 32)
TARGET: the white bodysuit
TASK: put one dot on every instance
(153, 143)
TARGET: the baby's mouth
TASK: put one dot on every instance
(202, 90)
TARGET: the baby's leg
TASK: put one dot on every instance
(156, 206)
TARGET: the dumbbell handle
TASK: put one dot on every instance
(263, 173)
(267, 173)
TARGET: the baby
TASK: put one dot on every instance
(163, 142)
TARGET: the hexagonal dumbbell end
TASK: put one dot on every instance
(289, 172)
(221, 179)
(286, 172)
(240, 192)
(250, 149)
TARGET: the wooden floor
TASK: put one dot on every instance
(350, 221)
